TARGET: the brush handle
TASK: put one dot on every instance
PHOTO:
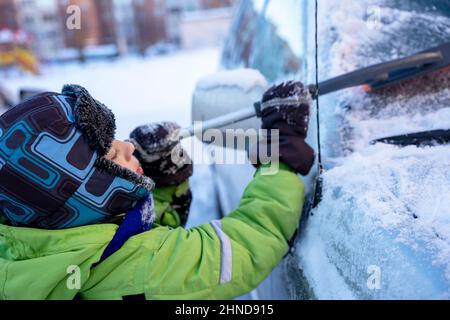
(222, 121)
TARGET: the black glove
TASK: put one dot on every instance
(287, 107)
(160, 153)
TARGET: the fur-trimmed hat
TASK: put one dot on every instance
(53, 173)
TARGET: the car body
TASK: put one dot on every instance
(373, 236)
(6, 100)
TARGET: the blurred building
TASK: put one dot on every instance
(107, 22)
(125, 26)
(214, 4)
(193, 5)
(98, 26)
(41, 20)
(150, 21)
(202, 28)
(120, 24)
(14, 41)
(8, 15)
(180, 11)
(161, 21)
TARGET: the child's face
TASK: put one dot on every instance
(121, 153)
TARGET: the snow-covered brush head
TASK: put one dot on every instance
(289, 94)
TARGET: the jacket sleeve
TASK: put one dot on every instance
(228, 258)
(220, 260)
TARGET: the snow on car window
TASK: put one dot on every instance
(388, 207)
(399, 31)
(259, 5)
(290, 29)
(266, 35)
(383, 206)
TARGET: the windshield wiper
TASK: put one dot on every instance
(426, 138)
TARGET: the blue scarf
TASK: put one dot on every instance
(138, 220)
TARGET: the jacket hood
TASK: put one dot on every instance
(53, 173)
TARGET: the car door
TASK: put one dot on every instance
(268, 36)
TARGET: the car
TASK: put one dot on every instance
(381, 230)
(161, 49)
(6, 100)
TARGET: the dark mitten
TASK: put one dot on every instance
(173, 205)
(160, 153)
(286, 107)
(182, 205)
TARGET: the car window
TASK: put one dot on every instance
(267, 35)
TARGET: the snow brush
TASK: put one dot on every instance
(373, 78)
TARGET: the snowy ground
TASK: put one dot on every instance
(141, 91)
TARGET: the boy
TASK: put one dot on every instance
(80, 216)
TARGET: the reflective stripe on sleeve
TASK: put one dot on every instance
(226, 256)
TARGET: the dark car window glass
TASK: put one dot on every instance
(267, 35)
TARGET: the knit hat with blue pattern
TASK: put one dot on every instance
(53, 173)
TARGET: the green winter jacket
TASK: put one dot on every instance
(220, 260)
